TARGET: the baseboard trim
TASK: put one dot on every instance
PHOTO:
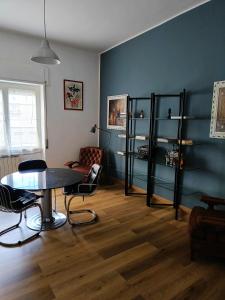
(184, 210)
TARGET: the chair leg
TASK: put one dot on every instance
(55, 201)
(12, 227)
(65, 203)
(71, 212)
(26, 240)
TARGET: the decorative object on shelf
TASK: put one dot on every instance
(172, 158)
(116, 112)
(169, 113)
(143, 152)
(45, 55)
(73, 95)
(217, 126)
(141, 115)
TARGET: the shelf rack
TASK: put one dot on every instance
(181, 98)
(130, 144)
(153, 140)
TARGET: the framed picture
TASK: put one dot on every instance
(217, 126)
(116, 112)
(73, 95)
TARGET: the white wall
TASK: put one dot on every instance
(67, 130)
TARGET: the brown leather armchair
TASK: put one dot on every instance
(207, 229)
(88, 157)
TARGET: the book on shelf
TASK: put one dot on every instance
(121, 153)
(141, 137)
(186, 142)
(123, 136)
(175, 141)
(179, 117)
(137, 137)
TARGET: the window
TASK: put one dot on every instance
(21, 118)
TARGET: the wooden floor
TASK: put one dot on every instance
(133, 252)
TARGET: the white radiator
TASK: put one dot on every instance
(9, 164)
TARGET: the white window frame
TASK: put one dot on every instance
(39, 89)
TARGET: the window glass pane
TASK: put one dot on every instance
(22, 119)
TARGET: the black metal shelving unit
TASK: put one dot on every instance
(178, 175)
(130, 141)
(153, 140)
(152, 119)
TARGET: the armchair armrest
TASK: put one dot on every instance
(86, 187)
(211, 201)
(214, 222)
(71, 163)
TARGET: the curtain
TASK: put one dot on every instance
(21, 124)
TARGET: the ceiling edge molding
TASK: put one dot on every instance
(155, 26)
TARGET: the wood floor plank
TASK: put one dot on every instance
(133, 253)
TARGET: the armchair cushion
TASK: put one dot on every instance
(82, 169)
(18, 199)
(88, 157)
(207, 229)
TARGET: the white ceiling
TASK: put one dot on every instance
(93, 24)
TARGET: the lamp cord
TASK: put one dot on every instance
(44, 21)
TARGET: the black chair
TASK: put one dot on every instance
(17, 201)
(83, 189)
(37, 165)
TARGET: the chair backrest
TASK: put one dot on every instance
(6, 194)
(89, 186)
(94, 174)
(91, 155)
(35, 164)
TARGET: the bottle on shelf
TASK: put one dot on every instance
(141, 114)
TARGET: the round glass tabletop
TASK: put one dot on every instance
(49, 178)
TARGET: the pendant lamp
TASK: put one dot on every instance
(45, 55)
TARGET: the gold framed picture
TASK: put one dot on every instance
(73, 95)
(116, 112)
(217, 126)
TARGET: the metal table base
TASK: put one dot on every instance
(57, 220)
(51, 220)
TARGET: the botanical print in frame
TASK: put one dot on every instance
(217, 126)
(73, 95)
(116, 112)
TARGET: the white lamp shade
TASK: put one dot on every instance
(45, 55)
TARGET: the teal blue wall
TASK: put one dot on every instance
(186, 52)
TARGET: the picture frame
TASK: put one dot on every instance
(217, 125)
(73, 95)
(116, 112)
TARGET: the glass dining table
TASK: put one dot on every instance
(45, 181)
